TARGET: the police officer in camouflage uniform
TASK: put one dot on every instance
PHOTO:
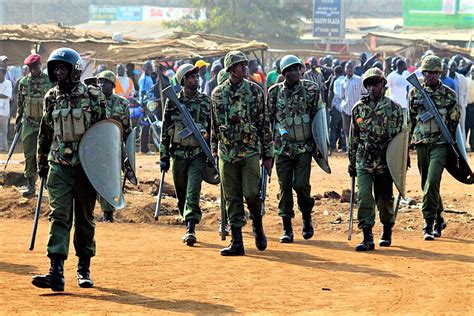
(31, 91)
(241, 136)
(293, 104)
(70, 108)
(431, 146)
(189, 161)
(117, 109)
(375, 121)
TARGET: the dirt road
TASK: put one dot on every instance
(143, 267)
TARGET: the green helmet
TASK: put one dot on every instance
(107, 75)
(373, 73)
(222, 76)
(234, 57)
(68, 56)
(431, 63)
(182, 71)
(288, 61)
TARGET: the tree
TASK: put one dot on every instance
(259, 19)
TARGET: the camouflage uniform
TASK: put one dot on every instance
(373, 126)
(67, 182)
(31, 92)
(117, 109)
(189, 161)
(431, 146)
(292, 113)
(241, 134)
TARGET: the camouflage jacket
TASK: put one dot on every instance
(241, 122)
(88, 104)
(199, 107)
(31, 92)
(372, 129)
(117, 109)
(446, 103)
(289, 109)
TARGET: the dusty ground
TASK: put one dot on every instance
(142, 266)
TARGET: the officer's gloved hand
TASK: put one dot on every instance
(43, 169)
(164, 164)
(268, 164)
(351, 170)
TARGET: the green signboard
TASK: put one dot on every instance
(439, 13)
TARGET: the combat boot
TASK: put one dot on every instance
(236, 247)
(83, 272)
(54, 280)
(386, 238)
(368, 243)
(428, 230)
(30, 187)
(108, 217)
(260, 238)
(439, 226)
(287, 236)
(190, 236)
(308, 230)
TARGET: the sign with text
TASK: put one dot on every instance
(328, 18)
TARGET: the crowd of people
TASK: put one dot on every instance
(251, 121)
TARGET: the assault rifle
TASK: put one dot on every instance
(37, 213)
(191, 127)
(13, 145)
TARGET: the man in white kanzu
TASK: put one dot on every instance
(5, 96)
(398, 85)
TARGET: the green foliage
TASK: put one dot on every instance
(258, 19)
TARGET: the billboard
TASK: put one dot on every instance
(328, 18)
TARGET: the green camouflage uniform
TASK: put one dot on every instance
(431, 146)
(241, 134)
(373, 126)
(117, 109)
(292, 113)
(58, 143)
(31, 92)
(189, 160)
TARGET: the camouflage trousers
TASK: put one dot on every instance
(29, 138)
(104, 205)
(293, 174)
(241, 180)
(381, 185)
(71, 197)
(187, 178)
(431, 162)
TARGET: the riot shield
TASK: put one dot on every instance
(100, 152)
(130, 146)
(319, 128)
(456, 162)
(397, 160)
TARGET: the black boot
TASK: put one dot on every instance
(287, 236)
(308, 230)
(190, 236)
(439, 226)
(260, 238)
(386, 238)
(236, 247)
(108, 217)
(83, 272)
(368, 242)
(428, 230)
(30, 187)
(54, 280)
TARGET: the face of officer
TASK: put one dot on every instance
(292, 74)
(191, 81)
(431, 78)
(106, 86)
(62, 71)
(239, 71)
(374, 88)
(35, 70)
